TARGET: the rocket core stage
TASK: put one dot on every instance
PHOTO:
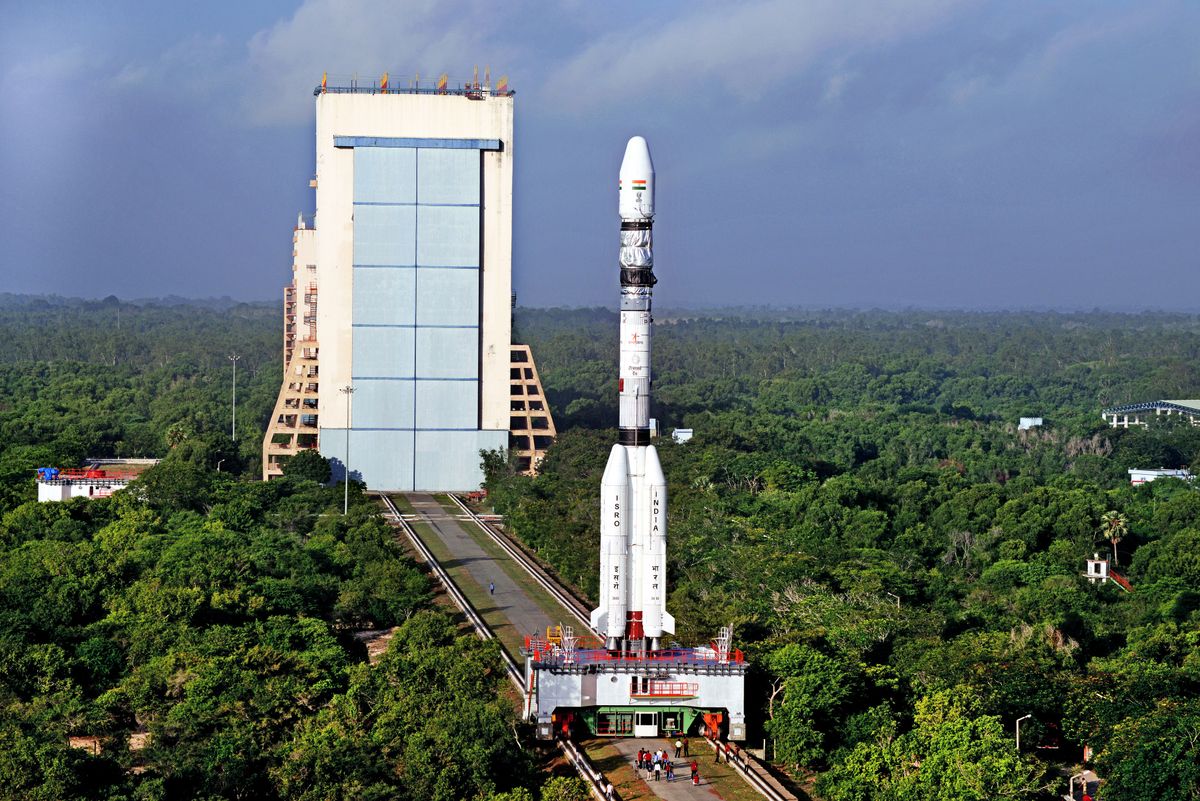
(633, 491)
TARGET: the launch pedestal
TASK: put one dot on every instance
(648, 694)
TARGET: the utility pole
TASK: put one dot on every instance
(233, 425)
(1027, 717)
(348, 390)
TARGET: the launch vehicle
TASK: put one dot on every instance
(632, 615)
(631, 685)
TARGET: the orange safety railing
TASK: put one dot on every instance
(668, 689)
(614, 724)
(543, 651)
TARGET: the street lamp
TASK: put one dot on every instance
(1027, 717)
(1082, 777)
(348, 391)
(897, 597)
(233, 426)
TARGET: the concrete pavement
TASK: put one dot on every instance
(510, 600)
(678, 790)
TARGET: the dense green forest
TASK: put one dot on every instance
(902, 564)
(196, 634)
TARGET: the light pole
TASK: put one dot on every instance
(1027, 717)
(348, 390)
(233, 425)
(897, 597)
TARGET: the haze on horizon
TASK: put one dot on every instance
(910, 153)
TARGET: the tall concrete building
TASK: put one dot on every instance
(405, 359)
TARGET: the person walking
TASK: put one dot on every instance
(685, 748)
(670, 771)
(695, 772)
(678, 748)
(641, 755)
(657, 769)
(491, 588)
(610, 792)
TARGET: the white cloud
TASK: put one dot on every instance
(70, 63)
(344, 36)
(745, 49)
(196, 64)
(836, 85)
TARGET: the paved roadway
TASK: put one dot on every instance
(509, 599)
(682, 788)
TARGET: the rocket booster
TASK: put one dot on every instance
(633, 500)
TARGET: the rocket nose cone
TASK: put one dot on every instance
(617, 469)
(653, 468)
(637, 158)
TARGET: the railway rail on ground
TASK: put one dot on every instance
(568, 601)
(576, 608)
(572, 754)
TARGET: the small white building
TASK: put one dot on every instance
(1139, 476)
(682, 435)
(1029, 422)
(100, 479)
(1097, 569)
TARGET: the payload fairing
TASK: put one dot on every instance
(632, 615)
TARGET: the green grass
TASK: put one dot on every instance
(617, 768)
(724, 779)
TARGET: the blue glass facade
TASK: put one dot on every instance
(415, 417)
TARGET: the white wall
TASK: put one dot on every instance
(418, 116)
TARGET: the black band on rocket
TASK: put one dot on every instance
(633, 436)
(637, 276)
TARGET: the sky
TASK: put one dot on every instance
(813, 153)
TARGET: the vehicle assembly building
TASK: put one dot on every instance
(403, 369)
(630, 685)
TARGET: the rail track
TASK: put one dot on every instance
(568, 601)
(747, 768)
(573, 755)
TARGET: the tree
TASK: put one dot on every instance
(1113, 527)
(565, 788)
(814, 687)
(308, 465)
(1154, 756)
(953, 753)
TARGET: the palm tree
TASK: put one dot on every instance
(1113, 527)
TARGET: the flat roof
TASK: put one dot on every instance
(1190, 406)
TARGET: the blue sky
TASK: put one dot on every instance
(930, 153)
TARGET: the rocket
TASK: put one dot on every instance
(632, 615)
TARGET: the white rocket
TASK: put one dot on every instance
(633, 491)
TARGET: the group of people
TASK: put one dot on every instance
(657, 763)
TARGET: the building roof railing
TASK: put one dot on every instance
(1190, 406)
(469, 90)
(546, 654)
